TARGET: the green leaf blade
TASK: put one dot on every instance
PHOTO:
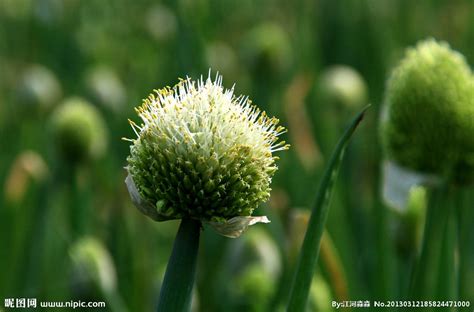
(310, 250)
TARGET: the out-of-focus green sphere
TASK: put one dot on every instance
(39, 86)
(429, 121)
(267, 49)
(93, 267)
(222, 58)
(161, 22)
(342, 87)
(255, 287)
(106, 88)
(78, 130)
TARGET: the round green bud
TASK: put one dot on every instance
(254, 288)
(221, 57)
(428, 124)
(267, 49)
(93, 267)
(161, 22)
(342, 87)
(256, 247)
(78, 130)
(201, 153)
(39, 87)
(106, 88)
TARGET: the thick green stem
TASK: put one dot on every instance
(181, 270)
(80, 213)
(427, 268)
(465, 218)
(447, 270)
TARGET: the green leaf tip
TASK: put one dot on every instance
(310, 250)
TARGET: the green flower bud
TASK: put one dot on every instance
(39, 87)
(78, 130)
(161, 22)
(93, 266)
(257, 247)
(202, 153)
(429, 118)
(343, 88)
(106, 88)
(254, 288)
(267, 49)
(222, 58)
(255, 263)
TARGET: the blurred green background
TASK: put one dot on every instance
(68, 230)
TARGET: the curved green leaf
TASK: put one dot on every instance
(310, 249)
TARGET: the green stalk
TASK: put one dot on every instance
(310, 250)
(80, 210)
(465, 221)
(447, 270)
(427, 268)
(180, 273)
(385, 253)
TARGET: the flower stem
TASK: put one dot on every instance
(447, 288)
(426, 271)
(180, 273)
(465, 219)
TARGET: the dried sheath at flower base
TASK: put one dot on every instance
(202, 153)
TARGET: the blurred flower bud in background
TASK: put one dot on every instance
(93, 268)
(338, 93)
(256, 264)
(342, 88)
(267, 49)
(28, 167)
(39, 87)
(257, 247)
(221, 57)
(78, 130)
(106, 88)
(254, 288)
(161, 23)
